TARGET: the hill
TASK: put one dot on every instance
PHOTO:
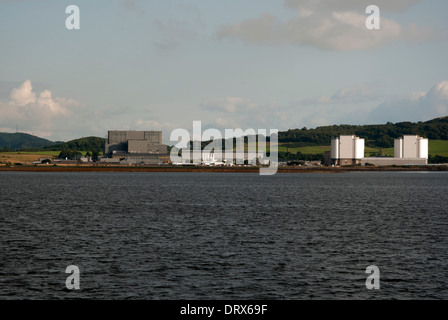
(381, 135)
(21, 141)
(376, 136)
(82, 144)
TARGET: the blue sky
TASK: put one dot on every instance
(277, 64)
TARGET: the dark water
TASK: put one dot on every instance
(223, 236)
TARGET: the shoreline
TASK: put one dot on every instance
(200, 169)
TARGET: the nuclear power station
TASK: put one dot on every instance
(131, 147)
(408, 150)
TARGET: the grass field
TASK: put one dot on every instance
(28, 156)
(321, 149)
(438, 147)
(15, 157)
(41, 153)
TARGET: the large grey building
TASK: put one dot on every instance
(134, 142)
(136, 146)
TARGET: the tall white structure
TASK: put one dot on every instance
(347, 150)
(411, 147)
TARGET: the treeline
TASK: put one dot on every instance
(92, 144)
(289, 156)
(76, 155)
(437, 159)
(375, 135)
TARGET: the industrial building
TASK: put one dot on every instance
(132, 147)
(409, 150)
(411, 147)
(347, 150)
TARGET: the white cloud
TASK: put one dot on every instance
(367, 104)
(34, 114)
(418, 106)
(23, 95)
(329, 25)
(436, 100)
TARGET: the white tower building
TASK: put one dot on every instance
(347, 150)
(411, 147)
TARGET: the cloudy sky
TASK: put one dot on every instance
(262, 64)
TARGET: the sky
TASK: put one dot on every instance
(261, 64)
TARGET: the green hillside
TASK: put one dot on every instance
(82, 144)
(381, 135)
(20, 141)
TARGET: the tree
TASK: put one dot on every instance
(70, 154)
(95, 156)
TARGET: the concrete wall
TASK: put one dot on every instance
(135, 142)
(121, 147)
(137, 146)
(389, 161)
(154, 137)
(135, 135)
(347, 162)
(157, 148)
(346, 148)
(115, 137)
(410, 147)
